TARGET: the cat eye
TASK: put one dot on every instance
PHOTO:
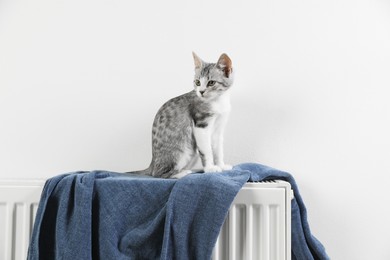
(211, 83)
(197, 82)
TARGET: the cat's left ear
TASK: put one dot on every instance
(225, 64)
(197, 61)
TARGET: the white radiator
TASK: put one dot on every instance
(258, 226)
(18, 206)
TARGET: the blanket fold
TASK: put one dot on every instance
(107, 215)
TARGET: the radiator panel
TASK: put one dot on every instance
(257, 226)
(18, 206)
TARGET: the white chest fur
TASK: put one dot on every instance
(222, 104)
(209, 139)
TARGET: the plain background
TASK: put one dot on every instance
(81, 81)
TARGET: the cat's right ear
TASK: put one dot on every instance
(197, 61)
(225, 63)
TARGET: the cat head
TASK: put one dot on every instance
(212, 80)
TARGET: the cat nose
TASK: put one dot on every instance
(201, 92)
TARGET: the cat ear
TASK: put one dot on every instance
(225, 64)
(198, 62)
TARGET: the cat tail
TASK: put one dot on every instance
(146, 172)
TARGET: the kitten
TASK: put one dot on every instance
(192, 125)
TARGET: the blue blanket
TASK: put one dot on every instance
(106, 215)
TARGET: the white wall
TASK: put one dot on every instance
(80, 82)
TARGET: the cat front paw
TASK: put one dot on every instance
(212, 168)
(226, 167)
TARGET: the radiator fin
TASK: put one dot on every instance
(3, 229)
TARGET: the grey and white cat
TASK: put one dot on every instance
(192, 125)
